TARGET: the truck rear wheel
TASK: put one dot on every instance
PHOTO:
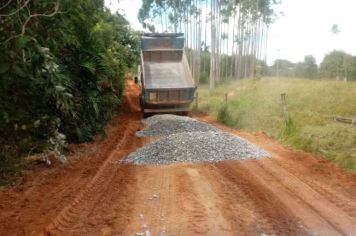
(146, 114)
(182, 113)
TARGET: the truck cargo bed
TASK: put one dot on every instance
(166, 81)
(166, 69)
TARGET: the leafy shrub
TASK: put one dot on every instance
(292, 133)
(225, 117)
(204, 78)
(288, 129)
(61, 74)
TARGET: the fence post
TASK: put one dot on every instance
(226, 98)
(285, 106)
(196, 101)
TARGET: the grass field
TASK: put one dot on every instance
(255, 105)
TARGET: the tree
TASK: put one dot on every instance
(62, 69)
(335, 29)
(308, 68)
(282, 67)
(338, 65)
(311, 68)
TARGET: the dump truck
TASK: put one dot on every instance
(167, 85)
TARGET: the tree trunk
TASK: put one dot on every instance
(213, 41)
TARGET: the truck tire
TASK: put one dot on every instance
(141, 101)
(146, 114)
(182, 113)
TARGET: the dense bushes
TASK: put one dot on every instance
(61, 67)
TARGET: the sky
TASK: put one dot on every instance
(304, 28)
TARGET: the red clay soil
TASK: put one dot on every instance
(292, 193)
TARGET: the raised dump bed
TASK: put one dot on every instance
(166, 81)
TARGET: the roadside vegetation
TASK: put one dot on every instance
(255, 105)
(62, 70)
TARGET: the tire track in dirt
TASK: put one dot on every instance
(41, 197)
(313, 221)
(335, 216)
(335, 197)
(235, 205)
(204, 199)
(157, 207)
(171, 203)
(195, 210)
(114, 205)
(271, 215)
(86, 199)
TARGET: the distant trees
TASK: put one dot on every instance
(225, 39)
(305, 69)
(335, 65)
(338, 65)
(308, 68)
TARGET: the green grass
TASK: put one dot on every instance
(254, 105)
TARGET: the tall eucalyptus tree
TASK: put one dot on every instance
(233, 33)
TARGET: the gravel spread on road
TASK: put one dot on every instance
(170, 124)
(184, 139)
(159, 118)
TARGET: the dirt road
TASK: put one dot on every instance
(293, 193)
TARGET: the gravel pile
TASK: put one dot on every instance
(158, 118)
(161, 125)
(211, 146)
(189, 140)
